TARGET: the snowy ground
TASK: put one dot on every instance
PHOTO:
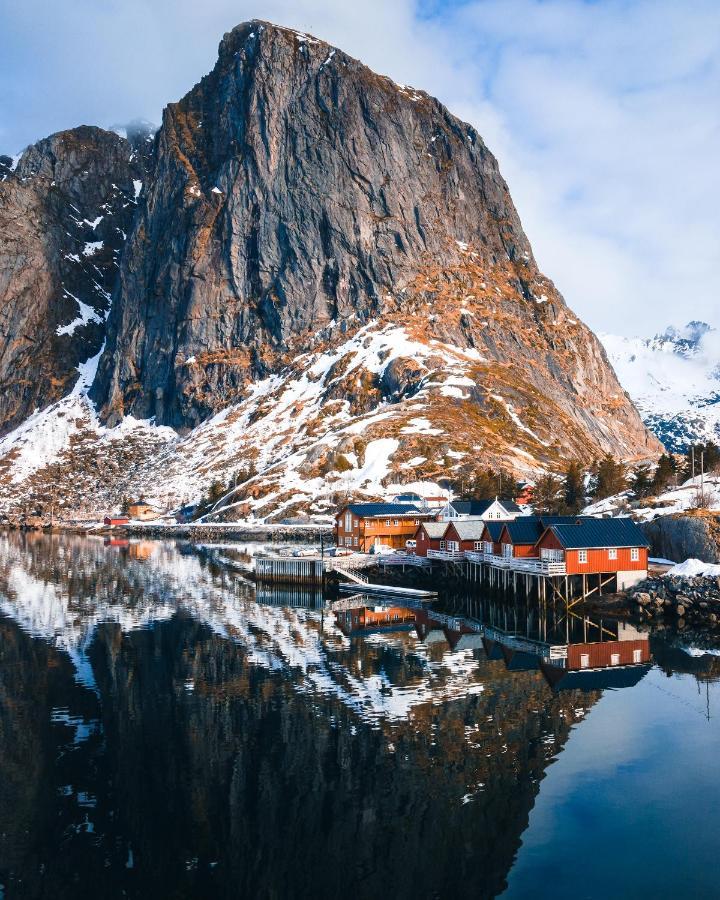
(675, 500)
(287, 427)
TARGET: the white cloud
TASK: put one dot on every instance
(604, 116)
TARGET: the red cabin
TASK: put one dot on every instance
(464, 534)
(595, 546)
(518, 538)
(490, 538)
(429, 536)
(116, 521)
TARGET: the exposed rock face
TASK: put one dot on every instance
(301, 218)
(65, 209)
(682, 537)
(294, 189)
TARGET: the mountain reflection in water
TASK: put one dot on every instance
(164, 732)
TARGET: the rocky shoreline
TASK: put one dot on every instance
(682, 599)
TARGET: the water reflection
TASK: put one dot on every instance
(164, 731)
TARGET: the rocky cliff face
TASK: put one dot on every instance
(331, 266)
(685, 536)
(66, 206)
(293, 189)
(298, 196)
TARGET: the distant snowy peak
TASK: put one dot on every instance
(674, 380)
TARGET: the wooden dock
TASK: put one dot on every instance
(388, 590)
(291, 570)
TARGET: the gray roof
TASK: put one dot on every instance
(369, 510)
(468, 529)
(435, 529)
(589, 533)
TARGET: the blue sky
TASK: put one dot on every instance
(605, 116)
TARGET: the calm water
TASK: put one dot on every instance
(166, 733)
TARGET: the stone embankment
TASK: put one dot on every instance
(682, 599)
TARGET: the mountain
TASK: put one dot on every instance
(324, 284)
(674, 379)
(66, 206)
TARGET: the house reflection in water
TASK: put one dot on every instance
(594, 665)
(620, 656)
(369, 619)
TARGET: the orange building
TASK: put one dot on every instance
(594, 546)
(367, 527)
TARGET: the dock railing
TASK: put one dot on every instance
(447, 555)
(533, 565)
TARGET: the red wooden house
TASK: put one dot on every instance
(490, 538)
(116, 521)
(464, 534)
(429, 536)
(367, 527)
(518, 538)
(595, 546)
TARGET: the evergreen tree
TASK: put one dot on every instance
(574, 488)
(609, 478)
(664, 474)
(548, 495)
(642, 482)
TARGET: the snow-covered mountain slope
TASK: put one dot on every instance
(323, 284)
(674, 380)
(384, 406)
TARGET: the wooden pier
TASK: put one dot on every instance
(290, 570)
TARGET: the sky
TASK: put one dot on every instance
(604, 114)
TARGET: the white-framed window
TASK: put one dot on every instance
(356, 522)
(348, 521)
(507, 550)
(612, 553)
(478, 545)
(488, 546)
(582, 556)
(417, 521)
(551, 554)
(635, 554)
(453, 546)
(396, 522)
(348, 542)
(355, 541)
(637, 655)
(584, 660)
(614, 659)
(442, 545)
(387, 522)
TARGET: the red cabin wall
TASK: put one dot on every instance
(452, 535)
(425, 543)
(598, 561)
